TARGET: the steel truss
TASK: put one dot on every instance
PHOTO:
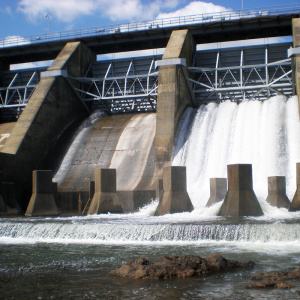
(237, 83)
(15, 96)
(128, 93)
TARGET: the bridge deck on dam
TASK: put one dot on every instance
(209, 28)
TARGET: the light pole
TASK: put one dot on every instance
(47, 17)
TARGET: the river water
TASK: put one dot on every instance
(72, 257)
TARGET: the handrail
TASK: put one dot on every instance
(150, 25)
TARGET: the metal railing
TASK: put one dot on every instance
(227, 15)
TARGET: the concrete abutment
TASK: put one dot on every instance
(295, 204)
(174, 96)
(240, 199)
(218, 189)
(52, 108)
(277, 192)
(296, 58)
(105, 199)
(174, 197)
(42, 201)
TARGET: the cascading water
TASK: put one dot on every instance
(72, 256)
(264, 134)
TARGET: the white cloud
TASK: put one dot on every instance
(63, 10)
(194, 8)
(116, 10)
(6, 10)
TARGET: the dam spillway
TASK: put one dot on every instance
(265, 134)
(67, 256)
(108, 142)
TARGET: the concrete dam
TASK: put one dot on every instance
(111, 142)
(83, 115)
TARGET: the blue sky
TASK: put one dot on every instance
(27, 17)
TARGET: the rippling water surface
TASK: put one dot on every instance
(71, 258)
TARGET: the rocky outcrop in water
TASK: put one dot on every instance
(274, 279)
(178, 266)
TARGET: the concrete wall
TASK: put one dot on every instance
(174, 96)
(296, 59)
(52, 108)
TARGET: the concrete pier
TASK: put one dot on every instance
(240, 199)
(91, 195)
(174, 198)
(218, 189)
(2, 204)
(42, 202)
(296, 58)
(159, 188)
(9, 198)
(52, 108)
(105, 199)
(174, 96)
(295, 205)
(3, 209)
(277, 192)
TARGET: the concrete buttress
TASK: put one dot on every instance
(240, 199)
(296, 59)
(174, 197)
(42, 202)
(174, 96)
(218, 189)
(105, 199)
(295, 205)
(277, 192)
(52, 108)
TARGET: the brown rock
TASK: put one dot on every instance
(283, 285)
(267, 283)
(274, 279)
(178, 266)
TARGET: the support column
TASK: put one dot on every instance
(52, 108)
(159, 188)
(174, 95)
(9, 197)
(296, 58)
(3, 209)
(240, 199)
(175, 198)
(277, 192)
(295, 205)
(105, 199)
(42, 202)
(218, 189)
(91, 195)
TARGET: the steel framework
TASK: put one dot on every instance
(131, 85)
(18, 94)
(245, 81)
(129, 92)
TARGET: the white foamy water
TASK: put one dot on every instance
(277, 238)
(264, 134)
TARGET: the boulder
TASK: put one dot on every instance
(274, 279)
(178, 266)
